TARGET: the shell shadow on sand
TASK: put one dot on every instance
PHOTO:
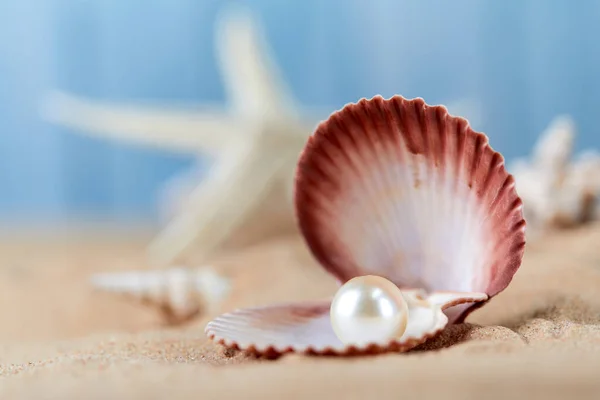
(559, 319)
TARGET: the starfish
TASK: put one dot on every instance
(246, 196)
(257, 142)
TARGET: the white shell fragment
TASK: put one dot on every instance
(552, 151)
(306, 327)
(558, 189)
(181, 293)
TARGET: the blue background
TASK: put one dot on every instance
(522, 61)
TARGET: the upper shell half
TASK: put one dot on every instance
(403, 190)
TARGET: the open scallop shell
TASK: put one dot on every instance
(403, 190)
(306, 327)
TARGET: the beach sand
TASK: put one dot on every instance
(540, 338)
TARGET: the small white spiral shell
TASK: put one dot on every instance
(180, 292)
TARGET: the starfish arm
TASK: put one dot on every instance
(253, 81)
(178, 131)
(220, 204)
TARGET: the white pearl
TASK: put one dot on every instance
(368, 309)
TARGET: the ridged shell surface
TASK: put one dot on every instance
(403, 190)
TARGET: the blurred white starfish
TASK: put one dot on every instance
(247, 193)
(257, 143)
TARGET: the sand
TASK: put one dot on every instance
(540, 338)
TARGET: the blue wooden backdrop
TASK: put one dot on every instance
(523, 61)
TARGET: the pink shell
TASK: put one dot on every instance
(401, 189)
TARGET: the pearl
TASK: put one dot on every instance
(368, 309)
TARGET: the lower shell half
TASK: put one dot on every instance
(306, 327)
